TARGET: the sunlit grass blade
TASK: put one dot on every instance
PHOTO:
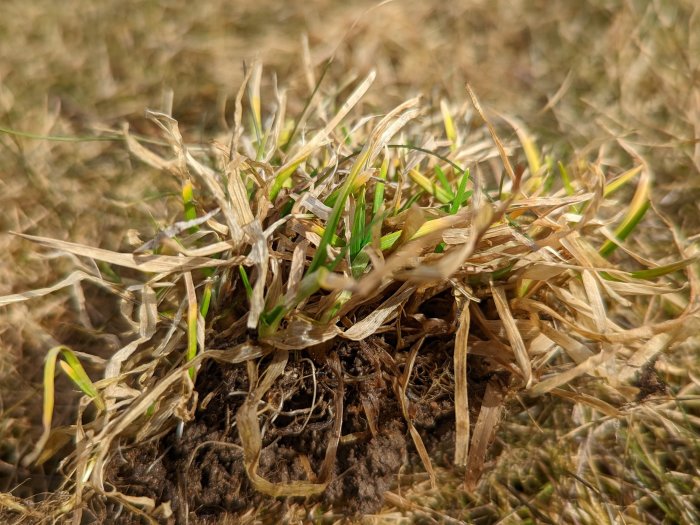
(206, 300)
(450, 129)
(442, 178)
(190, 211)
(192, 319)
(286, 171)
(638, 207)
(623, 179)
(75, 371)
(387, 241)
(534, 161)
(429, 186)
(320, 256)
(72, 367)
(255, 106)
(307, 106)
(360, 180)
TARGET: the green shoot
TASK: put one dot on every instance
(443, 180)
(462, 194)
(320, 256)
(427, 185)
(379, 187)
(246, 282)
(75, 371)
(188, 203)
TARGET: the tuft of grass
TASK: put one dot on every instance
(398, 225)
(596, 279)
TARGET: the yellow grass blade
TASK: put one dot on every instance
(76, 372)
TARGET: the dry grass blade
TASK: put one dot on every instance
(286, 170)
(563, 378)
(73, 279)
(400, 386)
(461, 388)
(489, 417)
(516, 341)
(144, 263)
(494, 136)
(251, 438)
(326, 470)
(388, 309)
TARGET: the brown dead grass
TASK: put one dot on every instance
(613, 84)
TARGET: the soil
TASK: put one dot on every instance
(202, 473)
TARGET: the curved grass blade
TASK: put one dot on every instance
(638, 207)
(75, 371)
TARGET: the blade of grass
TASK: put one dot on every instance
(462, 193)
(286, 171)
(638, 207)
(429, 186)
(206, 300)
(357, 235)
(461, 389)
(72, 367)
(246, 282)
(188, 203)
(379, 187)
(77, 374)
(192, 318)
(443, 181)
(450, 129)
(660, 271)
(307, 106)
(622, 180)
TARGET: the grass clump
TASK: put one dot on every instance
(348, 303)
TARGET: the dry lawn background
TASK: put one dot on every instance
(600, 85)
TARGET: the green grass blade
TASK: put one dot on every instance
(450, 129)
(72, 367)
(429, 186)
(307, 106)
(206, 300)
(320, 256)
(189, 205)
(622, 180)
(660, 271)
(638, 207)
(566, 180)
(77, 374)
(387, 241)
(357, 235)
(462, 193)
(379, 187)
(246, 282)
(282, 179)
(192, 335)
(442, 178)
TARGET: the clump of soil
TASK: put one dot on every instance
(202, 473)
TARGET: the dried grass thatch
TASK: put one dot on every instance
(419, 234)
